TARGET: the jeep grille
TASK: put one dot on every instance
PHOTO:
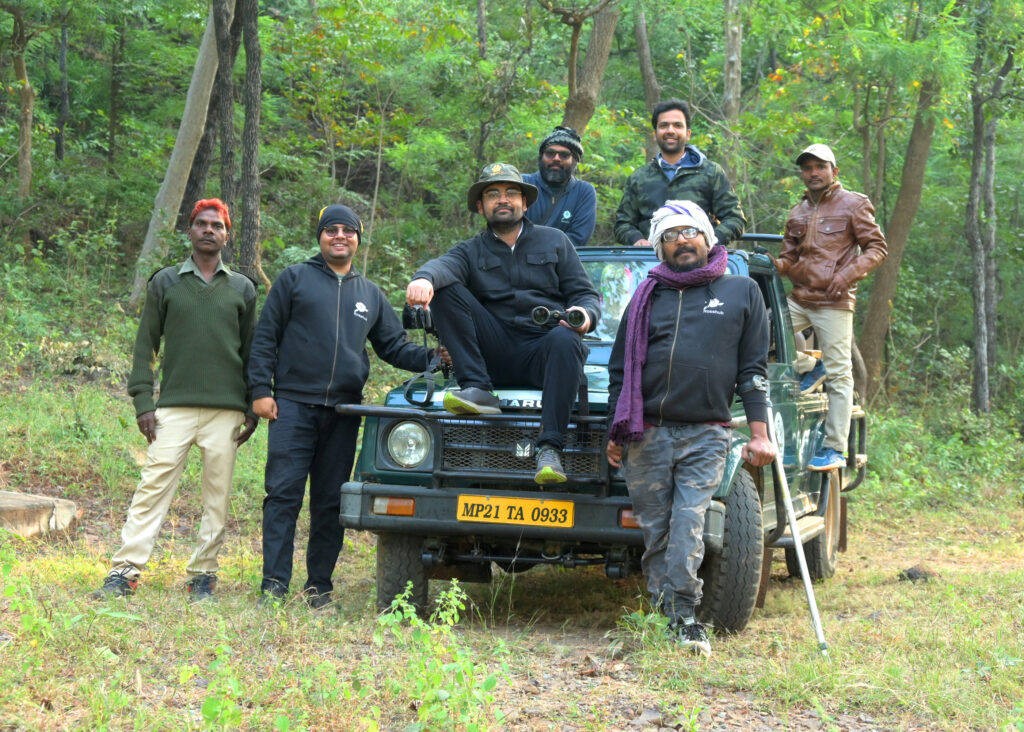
(509, 448)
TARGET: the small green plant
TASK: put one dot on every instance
(647, 630)
(448, 684)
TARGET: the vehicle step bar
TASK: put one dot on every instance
(809, 526)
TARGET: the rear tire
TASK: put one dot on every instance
(822, 551)
(398, 563)
(732, 577)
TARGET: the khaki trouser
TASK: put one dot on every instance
(834, 332)
(213, 431)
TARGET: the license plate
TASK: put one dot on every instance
(522, 511)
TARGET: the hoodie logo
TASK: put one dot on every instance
(714, 306)
(566, 215)
(361, 310)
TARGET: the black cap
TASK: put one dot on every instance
(336, 214)
(566, 136)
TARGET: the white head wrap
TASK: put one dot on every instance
(679, 213)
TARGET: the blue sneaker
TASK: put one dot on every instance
(826, 459)
(813, 378)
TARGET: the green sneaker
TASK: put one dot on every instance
(549, 466)
(471, 401)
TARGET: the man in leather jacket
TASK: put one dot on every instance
(831, 243)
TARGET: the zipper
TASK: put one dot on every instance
(337, 340)
(671, 358)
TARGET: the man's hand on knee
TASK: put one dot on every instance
(419, 292)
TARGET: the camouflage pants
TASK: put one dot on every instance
(671, 475)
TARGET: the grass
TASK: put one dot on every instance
(541, 650)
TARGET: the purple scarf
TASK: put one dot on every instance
(628, 425)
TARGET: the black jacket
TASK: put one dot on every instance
(310, 341)
(543, 269)
(703, 341)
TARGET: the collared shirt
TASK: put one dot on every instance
(189, 265)
(689, 159)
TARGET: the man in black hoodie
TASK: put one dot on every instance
(309, 355)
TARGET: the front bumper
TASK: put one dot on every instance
(597, 518)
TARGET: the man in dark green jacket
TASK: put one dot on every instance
(204, 314)
(679, 172)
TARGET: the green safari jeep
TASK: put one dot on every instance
(454, 496)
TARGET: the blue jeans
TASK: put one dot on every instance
(671, 475)
(311, 441)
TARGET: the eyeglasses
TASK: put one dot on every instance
(347, 231)
(550, 154)
(511, 194)
(688, 232)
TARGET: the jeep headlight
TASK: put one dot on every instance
(409, 444)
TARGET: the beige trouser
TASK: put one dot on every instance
(834, 332)
(213, 431)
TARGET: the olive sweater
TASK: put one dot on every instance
(207, 331)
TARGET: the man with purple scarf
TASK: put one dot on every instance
(691, 337)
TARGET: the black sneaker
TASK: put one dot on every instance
(471, 401)
(271, 593)
(117, 584)
(693, 635)
(549, 466)
(200, 587)
(317, 600)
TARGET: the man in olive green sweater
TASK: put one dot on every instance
(205, 314)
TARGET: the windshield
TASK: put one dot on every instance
(615, 282)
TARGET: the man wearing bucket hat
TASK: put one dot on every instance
(564, 202)
(482, 293)
(831, 242)
(691, 337)
(309, 355)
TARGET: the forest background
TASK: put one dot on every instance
(116, 116)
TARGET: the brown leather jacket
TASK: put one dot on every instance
(836, 235)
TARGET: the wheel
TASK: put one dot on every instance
(732, 577)
(822, 551)
(398, 563)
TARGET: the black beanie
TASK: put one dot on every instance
(336, 214)
(566, 136)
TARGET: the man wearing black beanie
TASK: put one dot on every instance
(565, 202)
(309, 355)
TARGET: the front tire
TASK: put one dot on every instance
(398, 563)
(822, 552)
(732, 577)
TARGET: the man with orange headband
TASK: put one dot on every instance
(205, 314)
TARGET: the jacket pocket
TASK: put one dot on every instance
(832, 225)
(541, 272)
(797, 229)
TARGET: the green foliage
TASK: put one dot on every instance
(933, 458)
(444, 678)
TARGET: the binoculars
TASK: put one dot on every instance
(545, 316)
(417, 318)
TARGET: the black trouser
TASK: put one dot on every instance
(487, 353)
(314, 441)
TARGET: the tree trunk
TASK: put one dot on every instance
(652, 89)
(582, 101)
(876, 323)
(733, 87)
(481, 27)
(190, 131)
(195, 189)
(65, 101)
(225, 95)
(26, 99)
(252, 96)
(114, 113)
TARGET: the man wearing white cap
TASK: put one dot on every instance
(691, 338)
(831, 243)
